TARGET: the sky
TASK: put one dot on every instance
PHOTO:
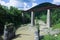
(26, 4)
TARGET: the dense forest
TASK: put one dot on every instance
(13, 15)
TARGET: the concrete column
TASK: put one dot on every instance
(22, 14)
(5, 33)
(32, 18)
(48, 18)
(23, 18)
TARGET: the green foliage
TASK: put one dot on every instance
(43, 17)
(55, 16)
(27, 17)
(40, 14)
(9, 15)
(56, 26)
(47, 37)
(12, 15)
(51, 37)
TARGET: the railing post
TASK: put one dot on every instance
(9, 31)
(5, 33)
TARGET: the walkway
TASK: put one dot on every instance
(26, 32)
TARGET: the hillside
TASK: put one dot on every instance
(42, 5)
(46, 4)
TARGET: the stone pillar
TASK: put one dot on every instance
(23, 18)
(48, 18)
(32, 18)
(5, 33)
(22, 14)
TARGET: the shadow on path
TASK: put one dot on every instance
(19, 35)
(16, 36)
(41, 37)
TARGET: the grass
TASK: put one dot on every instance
(56, 26)
(51, 37)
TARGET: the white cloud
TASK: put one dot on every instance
(34, 4)
(10, 3)
(13, 3)
(26, 6)
(56, 2)
(2, 2)
(19, 4)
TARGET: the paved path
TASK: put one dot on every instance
(26, 32)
